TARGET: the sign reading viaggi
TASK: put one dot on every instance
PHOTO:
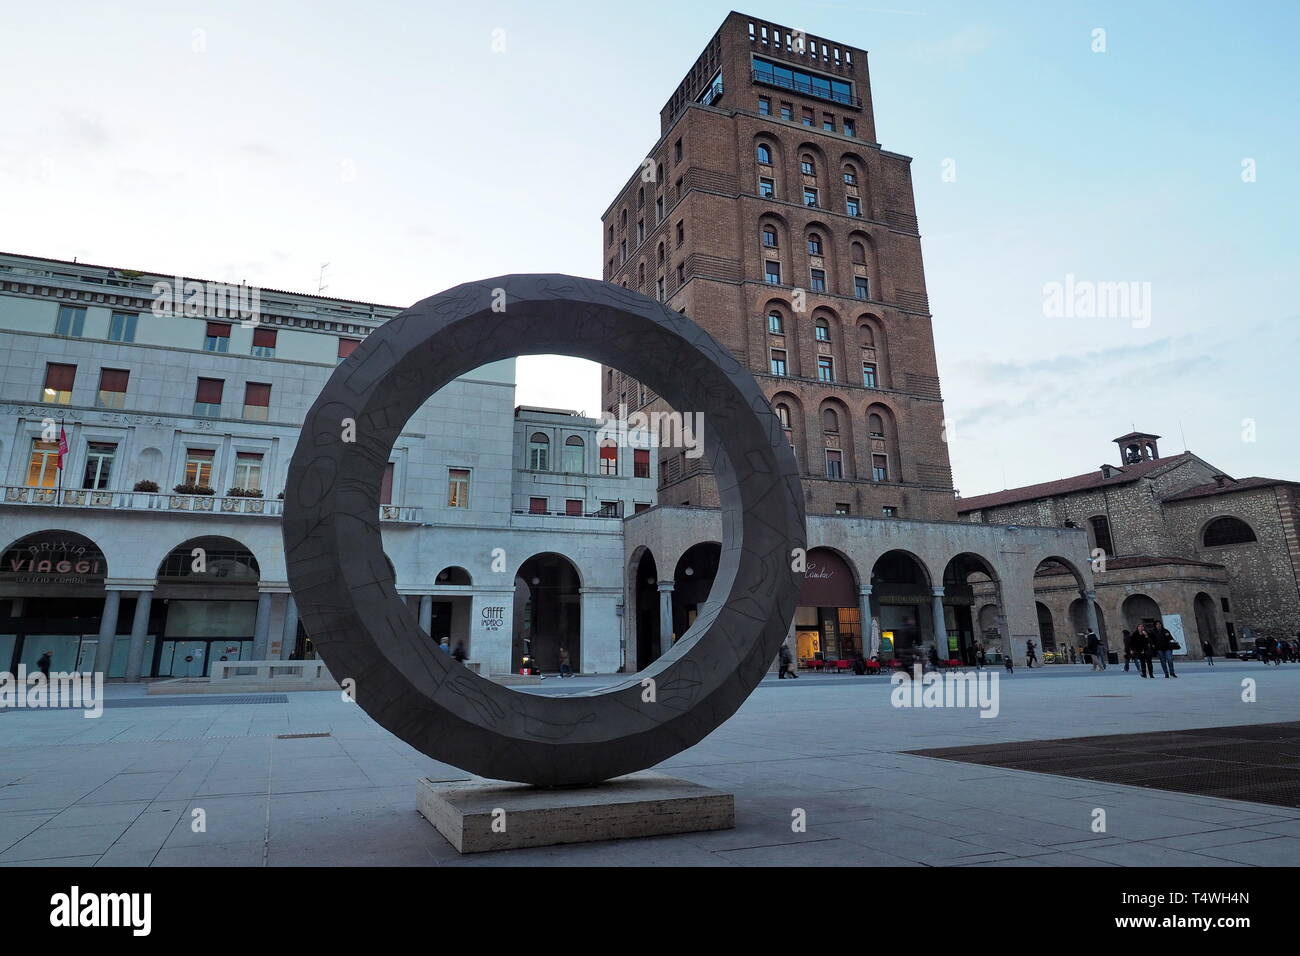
(51, 560)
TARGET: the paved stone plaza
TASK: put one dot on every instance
(120, 790)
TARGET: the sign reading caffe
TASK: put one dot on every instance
(50, 558)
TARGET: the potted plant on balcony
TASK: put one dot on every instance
(146, 485)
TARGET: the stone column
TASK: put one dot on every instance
(289, 633)
(262, 626)
(665, 616)
(1090, 610)
(107, 632)
(940, 629)
(139, 631)
(864, 613)
(426, 613)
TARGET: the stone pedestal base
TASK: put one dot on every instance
(481, 815)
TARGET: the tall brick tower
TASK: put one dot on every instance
(768, 213)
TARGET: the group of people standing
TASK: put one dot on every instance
(1147, 642)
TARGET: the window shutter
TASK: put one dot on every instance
(113, 379)
(209, 391)
(219, 329)
(60, 377)
(347, 347)
(264, 338)
(257, 393)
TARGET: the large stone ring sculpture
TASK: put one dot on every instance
(363, 630)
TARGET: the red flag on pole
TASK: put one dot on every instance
(63, 446)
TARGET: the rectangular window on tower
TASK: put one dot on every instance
(198, 466)
(818, 279)
(869, 374)
(264, 343)
(457, 487)
(825, 369)
(834, 464)
(207, 397)
(860, 287)
(879, 468)
(766, 188)
(640, 463)
(257, 401)
(121, 328)
(43, 466)
(248, 471)
(58, 383)
(99, 465)
(112, 388)
(70, 321)
(778, 362)
(772, 272)
(217, 337)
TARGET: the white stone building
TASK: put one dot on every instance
(156, 547)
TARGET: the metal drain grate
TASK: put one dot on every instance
(1259, 763)
(199, 700)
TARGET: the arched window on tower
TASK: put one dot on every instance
(775, 323)
(823, 330)
(879, 448)
(830, 421)
(814, 244)
(574, 455)
(859, 253)
(806, 165)
(783, 416)
(1228, 530)
(764, 153)
(539, 452)
(769, 237)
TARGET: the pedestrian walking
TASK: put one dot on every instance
(1093, 644)
(444, 646)
(1142, 650)
(43, 662)
(1010, 664)
(1031, 653)
(565, 669)
(786, 659)
(1165, 647)
(978, 655)
(460, 653)
(1128, 649)
(1208, 650)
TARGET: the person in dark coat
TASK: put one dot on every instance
(1031, 653)
(1093, 644)
(1165, 647)
(1128, 648)
(1141, 644)
(459, 653)
(44, 663)
(1208, 650)
(786, 659)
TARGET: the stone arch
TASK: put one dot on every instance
(642, 591)
(693, 583)
(1140, 609)
(1078, 616)
(901, 600)
(453, 576)
(969, 579)
(548, 610)
(833, 345)
(1207, 622)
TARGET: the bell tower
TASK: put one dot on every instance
(1137, 447)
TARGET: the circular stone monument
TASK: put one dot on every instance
(363, 630)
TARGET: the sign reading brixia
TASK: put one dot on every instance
(53, 559)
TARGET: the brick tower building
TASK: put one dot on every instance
(769, 213)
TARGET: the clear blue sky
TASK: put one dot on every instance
(255, 141)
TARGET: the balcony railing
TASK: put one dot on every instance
(807, 89)
(172, 503)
